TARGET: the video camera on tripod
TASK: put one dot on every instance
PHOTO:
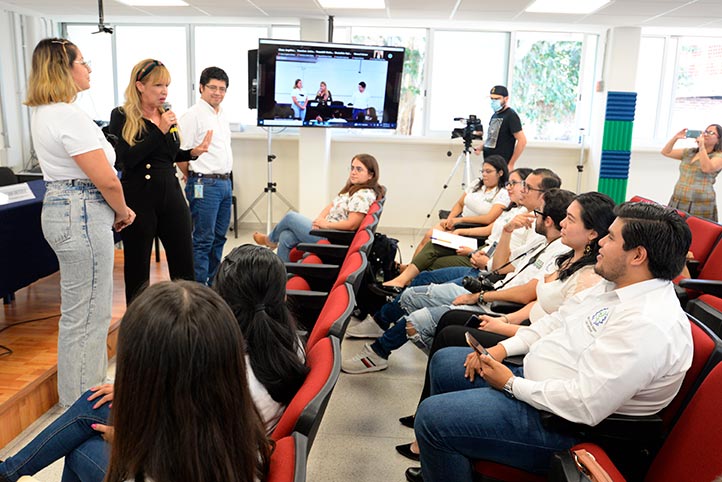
(473, 130)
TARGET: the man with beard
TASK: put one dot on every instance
(621, 347)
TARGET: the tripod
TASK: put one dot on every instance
(465, 180)
(580, 163)
(268, 191)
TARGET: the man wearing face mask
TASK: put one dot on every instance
(504, 136)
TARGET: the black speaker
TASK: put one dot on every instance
(253, 79)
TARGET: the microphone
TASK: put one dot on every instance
(174, 128)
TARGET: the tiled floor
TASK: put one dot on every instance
(360, 428)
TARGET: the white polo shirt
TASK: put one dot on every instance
(606, 351)
(194, 124)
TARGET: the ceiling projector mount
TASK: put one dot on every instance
(102, 27)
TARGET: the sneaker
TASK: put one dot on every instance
(365, 362)
(367, 328)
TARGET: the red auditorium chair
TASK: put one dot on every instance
(305, 411)
(334, 316)
(337, 241)
(640, 199)
(324, 274)
(289, 459)
(710, 271)
(707, 355)
(307, 305)
(691, 452)
(705, 237)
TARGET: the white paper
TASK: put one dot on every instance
(451, 240)
(15, 193)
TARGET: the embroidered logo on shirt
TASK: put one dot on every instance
(597, 319)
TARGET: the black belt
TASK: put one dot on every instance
(209, 176)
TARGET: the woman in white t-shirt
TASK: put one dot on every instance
(84, 201)
(345, 212)
(298, 100)
(482, 202)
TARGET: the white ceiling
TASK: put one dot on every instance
(643, 13)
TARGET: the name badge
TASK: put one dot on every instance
(198, 191)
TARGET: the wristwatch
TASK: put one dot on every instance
(509, 387)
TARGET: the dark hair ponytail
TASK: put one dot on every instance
(252, 280)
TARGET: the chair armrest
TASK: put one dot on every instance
(336, 236)
(306, 305)
(505, 307)
(708, 286)
(614, 427)
(329, 253)
(320, 277)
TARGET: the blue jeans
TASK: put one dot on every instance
(70, 436)
(464, 421)
(292, 230)
(403, 308)
(77, 223)
(211, 216)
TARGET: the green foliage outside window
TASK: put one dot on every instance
(546, 86)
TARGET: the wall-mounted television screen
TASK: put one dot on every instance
(320, 84)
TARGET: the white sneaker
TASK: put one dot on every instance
(367, 328)
(365, 362)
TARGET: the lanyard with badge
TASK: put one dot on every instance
(198, 188)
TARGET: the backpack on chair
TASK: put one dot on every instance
(381, 267)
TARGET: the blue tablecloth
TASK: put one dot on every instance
(25, 256)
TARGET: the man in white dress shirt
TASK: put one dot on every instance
(621, 347)
(208, 186)
(359, 101)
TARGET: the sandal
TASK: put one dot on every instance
(262, 240)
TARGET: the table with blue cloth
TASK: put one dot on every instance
(25, 256)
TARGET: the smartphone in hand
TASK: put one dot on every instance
(693, 134)
(475, 344)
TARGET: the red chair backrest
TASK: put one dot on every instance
(640, 199)
(288, 460)
(297, 283)
(352, 270)
(362, 240)
(712, 268)
(303, 414)
(705, 234)
(704, 345)
(337, 309)
(692, 450)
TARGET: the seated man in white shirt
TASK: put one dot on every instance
(425, 305)
(622, 347)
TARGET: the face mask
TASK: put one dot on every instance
(496, 105)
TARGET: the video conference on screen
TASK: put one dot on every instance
(362, 84)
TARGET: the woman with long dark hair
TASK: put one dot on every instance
(182, 408)
(252, 280)
(346, 211)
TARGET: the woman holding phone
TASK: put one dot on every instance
(698, 170)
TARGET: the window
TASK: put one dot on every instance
(650, 68)
(546, 83)
(227, 48)
(162, 42)
(411, 106)
(100, 99)
(698, 84)
(465, 66)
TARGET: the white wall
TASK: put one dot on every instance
(413, 170)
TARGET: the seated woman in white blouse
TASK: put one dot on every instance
(346, 211)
